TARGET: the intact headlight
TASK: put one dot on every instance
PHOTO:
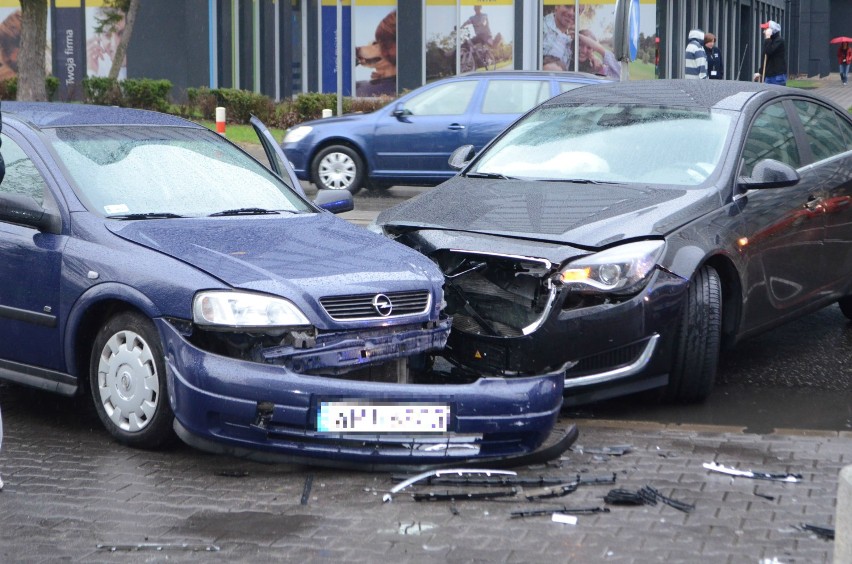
(243, 309)
(297, 133)
(623, 269)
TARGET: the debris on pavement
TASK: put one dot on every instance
(567, 510)
(750, 474)
(457, 471)
(306, 490)
(464, 496)
(157, 547)
(614, 450)
(645, 496)
(564, 518)
(822, 532)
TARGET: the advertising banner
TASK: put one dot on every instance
(69, 53)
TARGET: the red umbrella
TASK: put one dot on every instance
(841, 39)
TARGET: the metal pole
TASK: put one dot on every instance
(339, 47)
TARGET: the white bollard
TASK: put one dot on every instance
(843, 518)
(326, 113)
(220, 120)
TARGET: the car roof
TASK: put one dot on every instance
(43, 115)
(686, 93)
(558, 75)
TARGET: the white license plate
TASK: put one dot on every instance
(375, 417)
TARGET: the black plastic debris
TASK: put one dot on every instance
(306, 490)
(614, 450)
(551, 491)
(645, 496)
(144, 547)
(822, 532)
(763, 495)
(233, 473)
(464, 496)
(782, 477)
(565, 510)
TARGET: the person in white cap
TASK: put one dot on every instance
(774, 68)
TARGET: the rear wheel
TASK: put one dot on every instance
(696, 349)
(846, 306)
(338, 167)
(127, 377)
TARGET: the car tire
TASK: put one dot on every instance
(338, 167)
(127, 379)
(698, 339)
(845, 304)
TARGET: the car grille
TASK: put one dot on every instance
(608, 360)
(347, 308)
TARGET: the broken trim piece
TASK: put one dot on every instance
(428, 474)
(754, 475)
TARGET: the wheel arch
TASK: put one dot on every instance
(87, 316)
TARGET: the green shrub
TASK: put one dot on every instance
(9, 87)
(102, 91)
(240, 105)
(146, 93)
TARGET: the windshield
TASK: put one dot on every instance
(167, 171)
(622, 143)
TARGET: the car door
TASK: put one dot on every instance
(415, 139)
(785, 226)
(30, 271)
(502, 102)
(829, 139)
(278, 162)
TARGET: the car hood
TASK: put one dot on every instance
(296, 256)
(583, 215)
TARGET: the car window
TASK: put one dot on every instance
(822, 128)
(770, 137)
(566, 86)
(448, 99)
(22, 177)
(180, 170)
(514, 96)
(610, 143)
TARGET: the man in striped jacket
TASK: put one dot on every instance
(695, 60)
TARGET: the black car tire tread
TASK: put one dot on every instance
(357, 181)
(697, 342)
(845, 304)
(158, 432)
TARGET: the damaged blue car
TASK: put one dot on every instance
(190, 290)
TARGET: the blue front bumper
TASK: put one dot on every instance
(265, 411)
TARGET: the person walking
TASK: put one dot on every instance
(695, 59)
(844, 58)
(774, 67)
(715, 63)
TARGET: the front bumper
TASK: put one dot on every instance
(244, 407)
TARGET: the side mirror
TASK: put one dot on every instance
(23, 210)
(461, 156)
(770, 173)
(335, 201)
(400, 112)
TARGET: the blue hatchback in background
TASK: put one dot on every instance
(186, 288)
(410, 140)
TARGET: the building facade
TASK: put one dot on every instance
(373, 47)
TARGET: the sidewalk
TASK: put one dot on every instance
(831, 87)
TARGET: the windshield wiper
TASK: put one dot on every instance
(245, 211)
(495, 175)
(148, 215)
(576, 180)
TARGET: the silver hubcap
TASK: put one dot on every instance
(337, 171)
(128, 382)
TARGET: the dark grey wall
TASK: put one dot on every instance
(808, 49)
(170, 41)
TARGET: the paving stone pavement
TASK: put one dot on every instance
(72, 494)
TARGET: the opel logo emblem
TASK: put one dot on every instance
(382, 305)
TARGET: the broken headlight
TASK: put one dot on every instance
(620, 270)
(245, 310)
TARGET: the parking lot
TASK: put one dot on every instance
(73, 494)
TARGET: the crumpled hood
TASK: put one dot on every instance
(584, 215)
(296, 256)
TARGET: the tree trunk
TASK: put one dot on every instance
(121, 49)
(31, 69)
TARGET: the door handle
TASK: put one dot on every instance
(813, 204)
(456, 127)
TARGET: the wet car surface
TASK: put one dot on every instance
(185, 288)
(409, 140)
(625, 233)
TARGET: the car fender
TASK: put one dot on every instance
(356, 142)
(686, 260)
(91, 297)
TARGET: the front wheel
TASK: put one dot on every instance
(127, 377)
(338, 167)
(699, 333)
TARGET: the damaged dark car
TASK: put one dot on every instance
(185, 288)
(625, 234)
